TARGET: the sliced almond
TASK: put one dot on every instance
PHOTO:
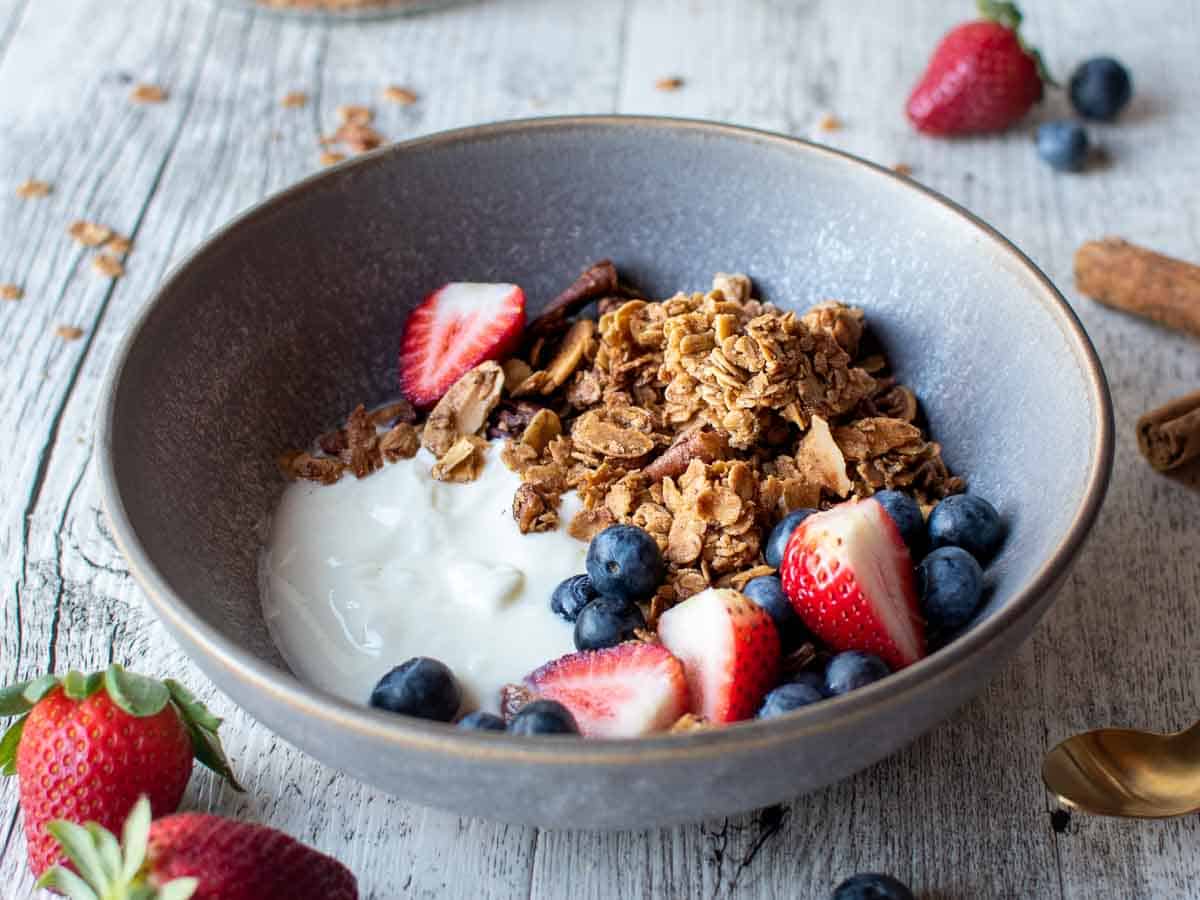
(464, 408)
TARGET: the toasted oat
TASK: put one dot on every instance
(358, 137)
(90, 234)
(463, 461)
(362, 455)
(118, 245)
(329, 158)
(669, 83)
(147, 93)
(11, 292)
(689, 722)
(298, 465)
(294, 99)
(108, 265)
(32, 188)
(69, 332)
(403, 96)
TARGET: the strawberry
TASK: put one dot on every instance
(459, 325)
(625, 691)
(192, 855)
(729, 649)
(981, 77)
(86, 747)
(849, 576)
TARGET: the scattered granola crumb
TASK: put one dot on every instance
(108, 265)
(354, 114)
(903, 169)
(69, 332)
(118, 245)
(294, 99)
(32, 188)
(670, 83)
(829, 122)
(11, 292)
(329, 158)
(395, 94)
(90, 234)
(147, 93)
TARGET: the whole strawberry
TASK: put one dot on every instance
(87, 746)
(193, 855)
(982, 77)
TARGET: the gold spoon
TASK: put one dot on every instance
(1122, 772)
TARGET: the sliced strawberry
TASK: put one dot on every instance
(458, 326)
(849, 576)
(628, 690)
(729, 649)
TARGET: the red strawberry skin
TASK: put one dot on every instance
(849, 576)
(457, 327)
(980, 79)
(240, 861)
(629, 690)
(729, 649)
(88, 760)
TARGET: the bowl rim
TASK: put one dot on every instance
(275, 685)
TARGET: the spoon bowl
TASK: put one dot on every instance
(1123, 772)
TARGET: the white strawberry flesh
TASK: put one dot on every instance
(626, 691)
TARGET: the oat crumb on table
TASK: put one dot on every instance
(108, 265)
(671, 83)
(903, 169)
(355, 114)
(329, 158)
(829, 122)
(90, 234)
(147, 93)
(118, 245)
(31, 189)
(11, 292)
(393, 93)
(294, 99)
(69, 332)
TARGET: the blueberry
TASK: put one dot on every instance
(788, 697)
(853, 669)
(950, 583)
(812, 679)
(967, 521)
(767, 591)
(909, 522)
(872, 886)
(606, 622)
(625, 562)
(543, 717)
(421, 687)
(1100, 88)
(777, 540)
(571, 596)
(1064, 145)
(481, 721)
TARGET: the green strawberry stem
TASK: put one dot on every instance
(109, 870)
(1009, 15)
(137, 695)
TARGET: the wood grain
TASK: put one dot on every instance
(960, 813)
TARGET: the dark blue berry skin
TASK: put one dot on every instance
(872, 886)
(543, 717)
(788, 697)
(1064, 145)
(778, 538)
(421, 687)
(812, 679)
(571, 596)
(606, 622)
(909, 522)
(767, 591)
(624, 562)
(853, 669)
(1100, 88)
(481, 721)
(950, 585)
(967, 521)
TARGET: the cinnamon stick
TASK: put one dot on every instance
(1170, 435)
(1140, 281)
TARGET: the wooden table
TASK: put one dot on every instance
(961, 813)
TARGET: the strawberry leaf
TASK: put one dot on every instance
(191, 708)
(135, 836)
(12, 699)
(179, 889)
(1002, 12)
(76, 842)
(135, 694)
(39, 688)
(202, 726)
(8, 747)
(67, 883)
(78, 686)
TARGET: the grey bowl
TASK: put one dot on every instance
(289, 316)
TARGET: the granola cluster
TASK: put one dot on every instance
(702, 419)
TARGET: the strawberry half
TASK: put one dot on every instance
(457, 327)
(625, 691)
(849, 576)
(729, 649)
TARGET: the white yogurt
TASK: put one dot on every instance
(361, 575)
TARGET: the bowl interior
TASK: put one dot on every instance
(284, 321)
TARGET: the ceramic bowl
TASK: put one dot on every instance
(288, 317)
